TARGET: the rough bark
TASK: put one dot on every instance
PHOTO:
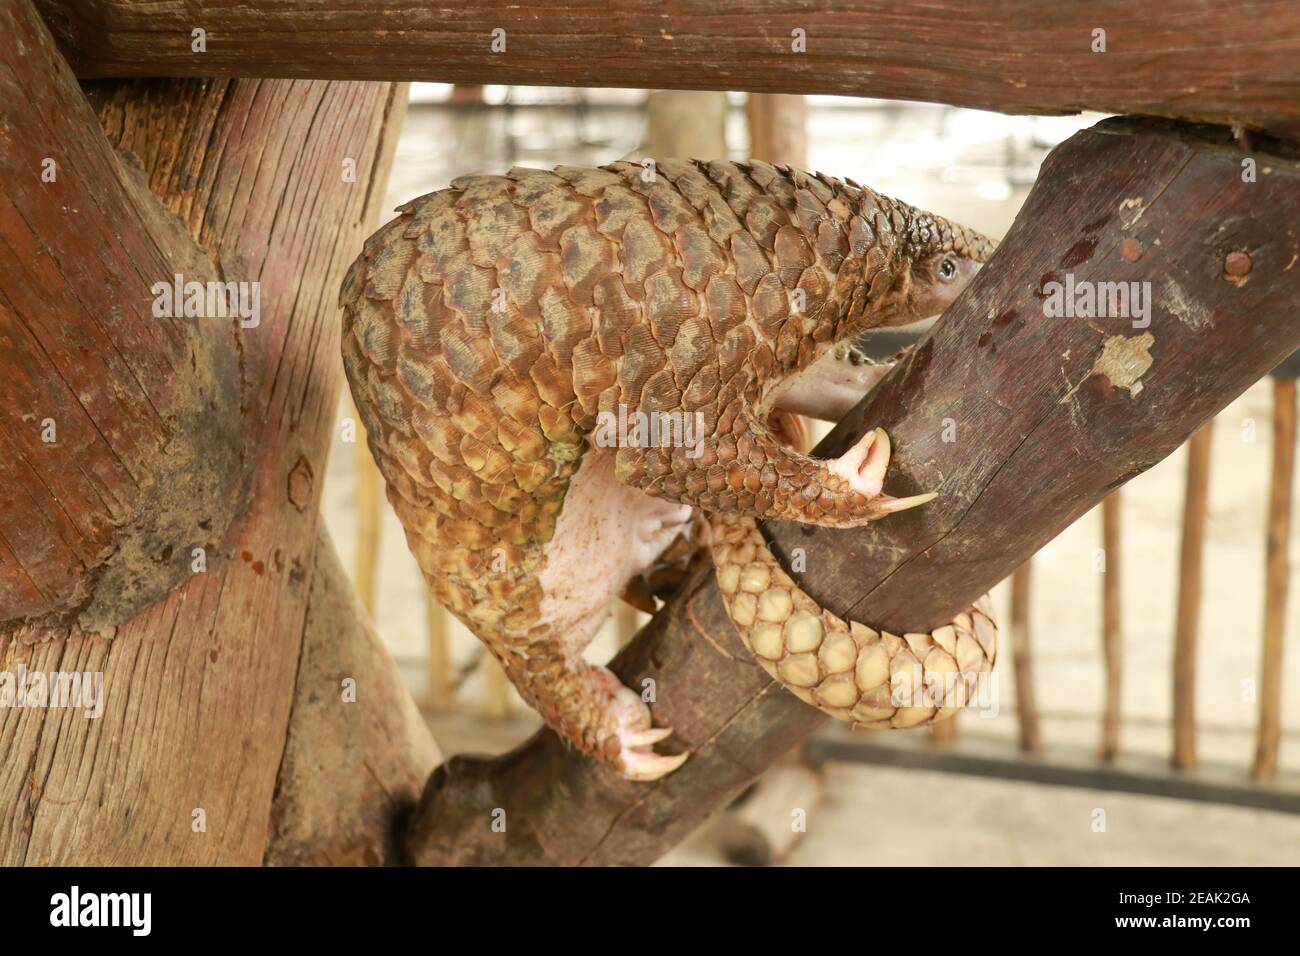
(357, 755)
(199, 686)
(1018, 56)
(1050, 414)
(120, 430)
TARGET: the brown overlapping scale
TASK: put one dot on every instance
(846, 669)
(488, 323)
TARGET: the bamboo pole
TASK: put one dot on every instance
(778, 128)
(1111, 634)
(497, 704)
(1276, 578)
(1026, 707)
(367, 517)
(1195, 504)
(438, 694)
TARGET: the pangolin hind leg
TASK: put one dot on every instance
(606, 535)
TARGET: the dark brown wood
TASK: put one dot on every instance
(146, 460)
(200, 687)
(1050, 416)
(1185, 59)
(1187, 623)
(1276, 579)
(1023, 659)
(1112, 634)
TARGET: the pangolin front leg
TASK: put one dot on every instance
(495, 329)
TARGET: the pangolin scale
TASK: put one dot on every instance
(494, 325)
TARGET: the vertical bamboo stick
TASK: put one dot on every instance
(1026, 708)
(1276, 579)
(1187, 625)
(1111, 634)
(367, 517)
(438, 625)
(778, 128)
(496, 697)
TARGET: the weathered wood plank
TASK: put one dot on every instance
(119, 429)
(1018, 56)
(200, 687)
(1050, 415)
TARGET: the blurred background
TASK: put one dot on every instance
(1088, 761)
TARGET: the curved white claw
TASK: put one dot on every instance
(864, 466)
(647, 765)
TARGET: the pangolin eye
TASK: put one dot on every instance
(947, 270)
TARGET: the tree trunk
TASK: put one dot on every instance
(177, 434)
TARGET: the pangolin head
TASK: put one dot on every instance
(941, 259)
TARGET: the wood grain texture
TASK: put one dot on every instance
(352, 768)
(200, 686)
(1185, 59)
(1045, 429)
(119, 431)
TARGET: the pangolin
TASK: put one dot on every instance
(497, 330)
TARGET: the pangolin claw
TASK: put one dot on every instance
(647, 738)
(650, 766)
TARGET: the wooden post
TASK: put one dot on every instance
(778, 128)
(1026, 708)
(368, 517)
(1276, 578)
(247, 175)
(1187, 624)
(686, 125)
(1112, 640)
(438, 693)
(497, 704)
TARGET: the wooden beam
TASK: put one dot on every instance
(1187, 623)
(278, 181)
(120, 428)
(1048, 414)
(1277, 577)
(1017, 56)
(331, 810)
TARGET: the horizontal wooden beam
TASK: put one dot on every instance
(1046, 415)
(1182, 58)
